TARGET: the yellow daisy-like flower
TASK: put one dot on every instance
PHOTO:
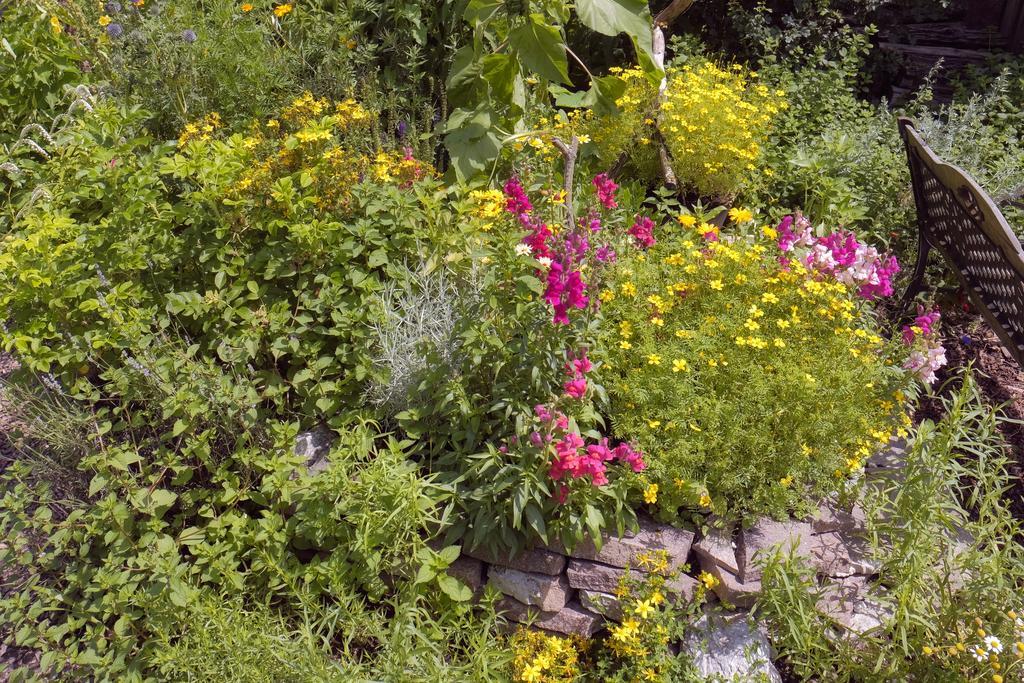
(705, 500)
(246, 7)
(282, 10)
(716, 285)
(653, 359)
(584, 139)
(104, 20)
(651, 494)
(55, 25)
(680, 365)
(738, 215)
(687, 220)
(708, 580)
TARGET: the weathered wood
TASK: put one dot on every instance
(957, 217)
(1012, 26)
(954, 34)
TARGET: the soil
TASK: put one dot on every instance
(969, 340)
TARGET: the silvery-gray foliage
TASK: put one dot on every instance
(420, 313)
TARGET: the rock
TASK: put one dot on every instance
(314, 446)
(717, 546)
(537, 561)
(890, 457)
(652, 537)
(594, 576)
(848, 602)
(469, 570)
(605, 604)
(768, 534)
(730, 589)
(571, 619)
(837, 554)
(831, 517)
(729, 648)
(550, 593)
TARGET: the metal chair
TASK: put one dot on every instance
(958, 218)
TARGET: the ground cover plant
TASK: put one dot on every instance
(303, 303)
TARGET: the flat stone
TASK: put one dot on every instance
(848, 603)
(594, 576)
(831, 517)
(537, 560)
(890, 457)
(766, 535)
(729, 588)
(605, 604)
(717, 546)
(837, 554)
(550, 593)
(652, 537)
(469, 570)
(571, 619)
(730, 648)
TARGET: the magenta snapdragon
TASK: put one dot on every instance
(642, 231)
(605, 188)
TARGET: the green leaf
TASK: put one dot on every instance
(612, 17)
(449, 554)
(472, 142)
(481, 10)
(162, 499)
(454, 589)
(540, 49)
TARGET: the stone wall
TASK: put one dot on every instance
(573, 592)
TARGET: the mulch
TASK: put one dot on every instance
(969, 340)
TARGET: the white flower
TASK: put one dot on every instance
(522, 249)
(993, 644)
(544, 261)
(980, 654)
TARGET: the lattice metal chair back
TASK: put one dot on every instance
(960, 220)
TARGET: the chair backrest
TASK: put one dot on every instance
(959, 219)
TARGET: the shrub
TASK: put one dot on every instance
(630, 130)
(950, 570)
(761, 379)
(510, 417)
(39, 60)
(244, 243)
(715, 121)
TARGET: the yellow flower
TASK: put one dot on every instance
(687, 220)
(282, 10)
(651, 494)
(653, 359)
(770, 233)
(657, 321)
(628, 288)
(584, 139)
(679, 365)
(708, 580)
(716, 285)
(654, 424)
(738, 215)
(705, 500)
(246, 6)
(55, 25)
(786, 481)
(606, 295)
(104, 20)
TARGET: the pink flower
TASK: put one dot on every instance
(635, 459)
(542, 413)
(516, 200)
(582, 365)
(575, 388)
(562, 423)
(606, 188)
(642, 231)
